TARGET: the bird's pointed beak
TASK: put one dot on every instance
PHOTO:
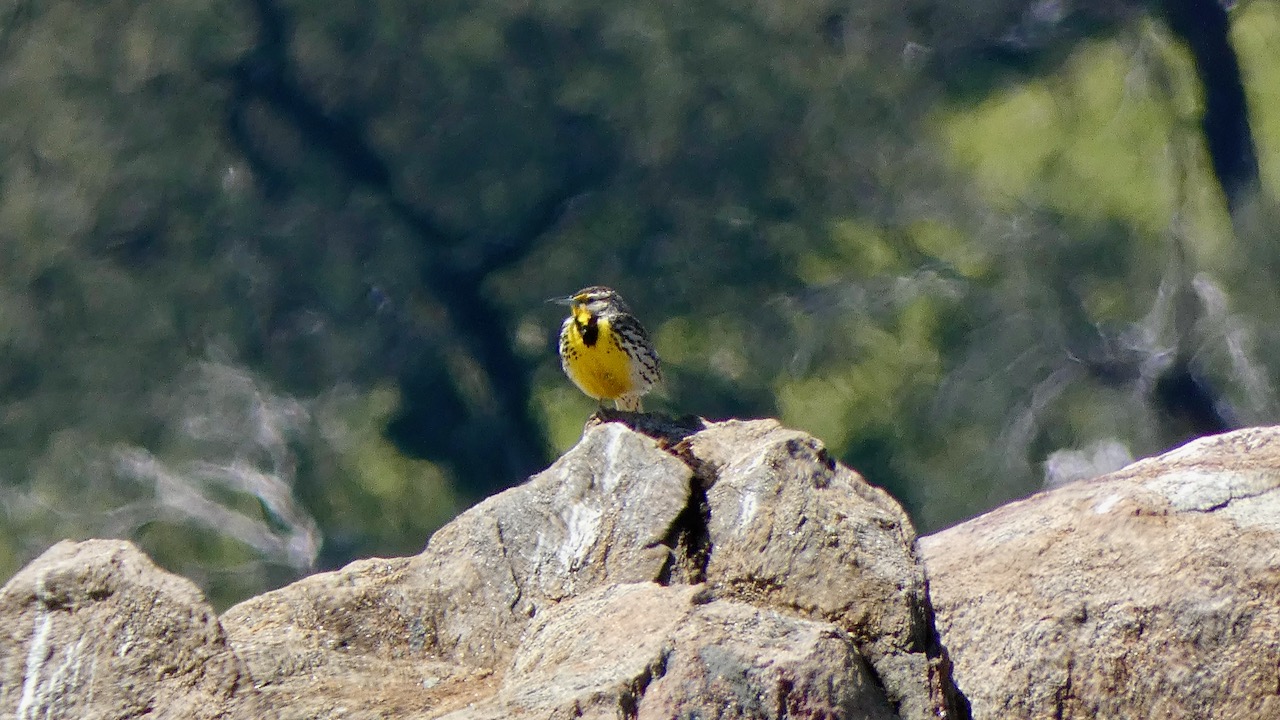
(562, 301)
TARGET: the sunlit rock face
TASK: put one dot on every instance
(1148, 592)
(659, 569)
(95, 630)
(667, 569)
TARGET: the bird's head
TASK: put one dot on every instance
(595, 301)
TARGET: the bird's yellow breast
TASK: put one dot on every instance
(600, 368)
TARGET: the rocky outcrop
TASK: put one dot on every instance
(790, 529)
(95, 630)
(650, 651)
(1152, 592)
(576, 594)
(729, 571)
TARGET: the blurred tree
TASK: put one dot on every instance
(1203, 26)
(272, 273)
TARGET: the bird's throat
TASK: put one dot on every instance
(588, 328)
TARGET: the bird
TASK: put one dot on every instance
(605, 350)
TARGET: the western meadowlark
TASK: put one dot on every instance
(605, 351)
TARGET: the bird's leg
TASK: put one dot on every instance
(601, 413)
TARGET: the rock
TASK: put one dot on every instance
(654, 652)
(599, 515)
(659, 569)
(656, 519)
(793, 530)
(1149, 592)
(95, 630)
(732, 660)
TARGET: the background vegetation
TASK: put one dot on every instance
(272, 273)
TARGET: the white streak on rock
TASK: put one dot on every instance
(1103, 506)
(749, 496)
(35, 661)
(613, 471)
(582, 528)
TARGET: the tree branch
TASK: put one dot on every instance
(1204, 27)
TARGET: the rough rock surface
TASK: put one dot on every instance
(95, 630)
(1152, 592)
(659, 569)
(575, 594)
(792, 529)
(648, 651)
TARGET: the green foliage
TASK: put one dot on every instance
(373, 480)
(274, 299)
